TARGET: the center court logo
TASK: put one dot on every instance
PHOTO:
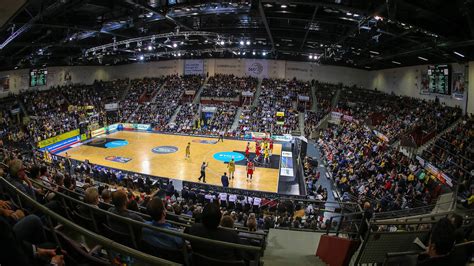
(227, 156)
(165, 149)
(256, 68)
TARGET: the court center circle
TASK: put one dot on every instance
(165, 149)
(227, 156)
(116, 144)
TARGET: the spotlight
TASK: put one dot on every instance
(264, 53)
(175, 45)
(243, 53)
(253, 53)
(141, 58)
(150, 48)
(241, 42)
(222, 42)
(238, 53)
(248, 43)
(283, 6)
(179, 54)
(310, 56)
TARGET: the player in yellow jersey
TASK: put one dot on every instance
(266, 156)
(188, 150)
(231, 167)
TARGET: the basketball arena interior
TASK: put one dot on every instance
(238, 132)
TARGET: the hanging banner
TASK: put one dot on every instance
(4, 83)
(256, 68)
(194, 67)
(459, 85)
(424, 84)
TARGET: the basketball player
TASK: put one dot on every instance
(266, 156)
(188, 150)
(247, 150)
(231, 167)
(221, 136)
(271, 147)
(250, 169)
(204, 165)
(257, 153)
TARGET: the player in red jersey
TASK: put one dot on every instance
(247, 150)
(250, 169)
(257, 153)
(271, 147)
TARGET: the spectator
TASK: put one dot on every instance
(440, 245)
(120, 200)
(211, 216)
(157, 211)
(227, 221)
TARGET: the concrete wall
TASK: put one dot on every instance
(407, 81)
(19, 79)
(401, 81)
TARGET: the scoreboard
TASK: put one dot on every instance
(439, 79)
(38, 77)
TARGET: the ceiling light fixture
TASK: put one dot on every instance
(422, 58)
(396, 62)
(284, 6)
(254, 53)
(458, 54)
(241, 42)
(264, 53)
(175, 45)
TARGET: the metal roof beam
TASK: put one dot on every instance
(265, 22)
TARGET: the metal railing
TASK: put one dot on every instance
(105, 242)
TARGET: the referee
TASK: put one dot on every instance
(203, 172)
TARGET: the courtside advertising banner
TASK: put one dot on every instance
(58, 138)
(98, 132)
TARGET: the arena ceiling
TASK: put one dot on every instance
(367, 34)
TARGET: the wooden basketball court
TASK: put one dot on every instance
(174, 164)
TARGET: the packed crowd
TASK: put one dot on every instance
(228, 86)
(185, 121)
(365, 168)
(452, 153)
(394, 115)
(325, 93)
(277, 95)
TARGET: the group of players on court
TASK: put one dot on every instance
(263, 153)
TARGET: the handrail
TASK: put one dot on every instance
(100, 239)
(82, 195)
(144, 215)
(161, 230)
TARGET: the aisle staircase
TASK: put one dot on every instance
(314, 106)
(257, 93)
(125, 92)
(152, 100)
(335, 100)
(290, 247)
(301, 117)
(175, 114)
(236, 119)
(197, 97)
(425, 146)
